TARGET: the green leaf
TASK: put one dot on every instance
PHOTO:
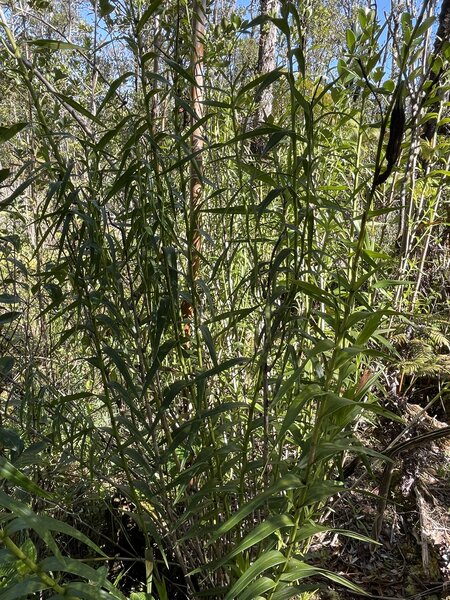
(335, 403)
(141, 596)
(357, 536)
(113, 89)
(258, 587)
(6, 365)
(109, 135)
(97, 577)
(369, 328)
(282, 24)
(384, 283)
(294, 590)
(53, 44)
(27, 517)
(51, 524)
(240, 209)
(261, 208)
(162, 319)
(17, 478)
(29, 549)
(262, 81)
(163, 351)
(152, 8)
(351, 39)
(24, 589)
(17, 192)
(43, 524)
(79, 108)
(322, 490)
(209, 343)
(4, 174)
(289, 481)
(258, 174)
(6, 133)
(229, 407)
(310, 289)
(86, 591)
(295, 407)
(122, 366)
(299, 56)
(227, 364)
(266, 561)
(234, 315)
(184, 73)
(275, 139)
(11, 440)
(122, 180)
(298, 570)
(9, 316)
(426, 24)
(261, 532)
(9, 299)
(321, 347)
(106, 8)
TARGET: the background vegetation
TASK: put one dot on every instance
(224, 264)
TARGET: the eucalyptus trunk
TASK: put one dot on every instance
(267, 61)
(197, 145)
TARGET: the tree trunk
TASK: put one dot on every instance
(197, 144)
(267, 61)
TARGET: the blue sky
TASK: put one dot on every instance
(382, 6)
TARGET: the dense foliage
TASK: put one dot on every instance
(202, 312)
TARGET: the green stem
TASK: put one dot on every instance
(32, 566)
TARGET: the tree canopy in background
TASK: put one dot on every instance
(225, 279)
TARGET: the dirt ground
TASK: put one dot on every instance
(413, 558)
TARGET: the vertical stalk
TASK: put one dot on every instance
(433, 212)
(94, 77)
(197, 145)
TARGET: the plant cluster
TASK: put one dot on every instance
(193, 325)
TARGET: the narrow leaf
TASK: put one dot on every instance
(54, 44)
(6, 133)
(7, 317)
(263, 563)
(261, 532)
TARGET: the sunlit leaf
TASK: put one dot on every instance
(53, 44)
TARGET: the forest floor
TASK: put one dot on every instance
(413, 558)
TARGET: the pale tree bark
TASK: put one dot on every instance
(94, 76)
(197, 145)
(197, 139)
(267, 62)
(156, 49)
